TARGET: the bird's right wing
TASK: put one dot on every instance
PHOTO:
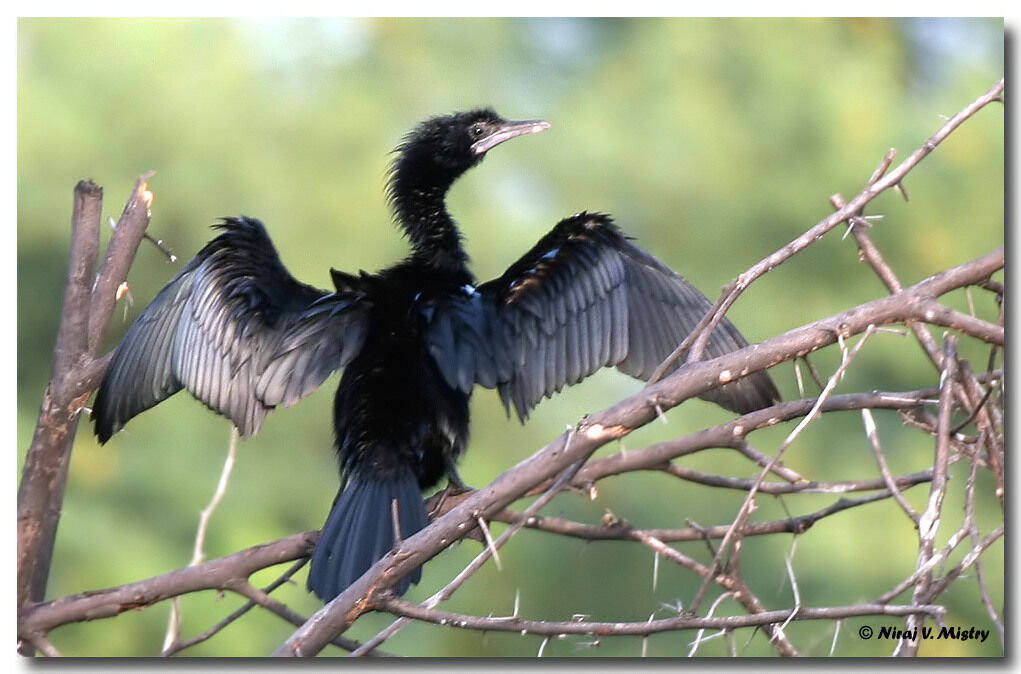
(236, 330)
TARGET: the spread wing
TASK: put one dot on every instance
(585, 297)
(236, 330)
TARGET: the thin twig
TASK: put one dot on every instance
(894, 178)
(709, 614)
(729, 581)
(447, 591)
(294, 619)
(929, 522)
(644, 627)
(198, 554)
(746, 508)
(884, 470)
(987, 600)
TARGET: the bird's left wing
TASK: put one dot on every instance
(585, 297)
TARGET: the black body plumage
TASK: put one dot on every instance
(243, 336)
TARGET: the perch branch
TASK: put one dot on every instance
(613, 423)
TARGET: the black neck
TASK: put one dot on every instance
(420, 208)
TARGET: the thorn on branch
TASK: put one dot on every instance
(489, 542)
(884, 165)
(147, 197)
(124, 291)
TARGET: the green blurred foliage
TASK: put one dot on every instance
(714, 142)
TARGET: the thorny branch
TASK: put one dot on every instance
(622, 418)
(700, 335)
(171, 641)
(973, 435)
(644, 627)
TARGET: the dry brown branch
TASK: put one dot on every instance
(733, 536)
(228, 573)
(910, 304)
(695, 343)
(992, 334)
(177, 645)
(621, 530)
(973, 531)
(198, 552)
(646, 627)
(729, 434)
(225, 573)
(88, 303)
(931, 517)
(613, 423)
(884, 469)
(489, 550)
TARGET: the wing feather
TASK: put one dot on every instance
(236, 330)
(585, 297)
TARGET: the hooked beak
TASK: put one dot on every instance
(506, 131)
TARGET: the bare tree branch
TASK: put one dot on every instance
(728, 434)
(613, 423)
(700, 335)
(912, 303)
(88, 302)
(179, 645)
(643, 628)
(198, 552)
(225, 573)
(877, 449)
(929, 521)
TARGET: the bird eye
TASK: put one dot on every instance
(477, 130)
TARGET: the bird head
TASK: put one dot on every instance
(442, 148)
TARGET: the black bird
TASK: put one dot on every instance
(243, 336)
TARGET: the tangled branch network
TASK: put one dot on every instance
(960, 409)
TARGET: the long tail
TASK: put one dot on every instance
(359, 531)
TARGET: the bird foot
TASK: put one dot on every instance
(445, 500)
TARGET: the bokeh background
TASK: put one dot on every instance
(714, 142)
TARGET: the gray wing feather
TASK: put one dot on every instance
(583, 298)
(236, 330)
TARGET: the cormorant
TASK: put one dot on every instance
(243, 336)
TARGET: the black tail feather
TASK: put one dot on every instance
(359, 532)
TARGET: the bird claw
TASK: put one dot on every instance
(445, 500)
